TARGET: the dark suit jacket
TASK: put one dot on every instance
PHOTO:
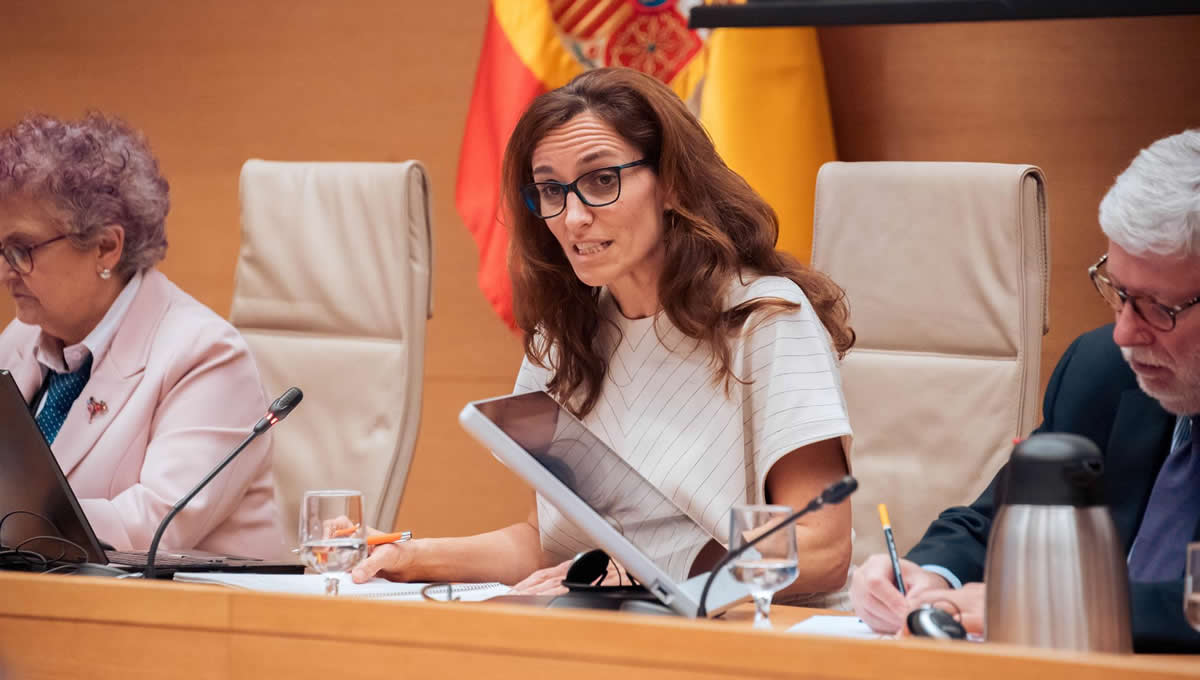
(1092, 393)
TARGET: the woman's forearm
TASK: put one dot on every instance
(506, 555)
(823, 543)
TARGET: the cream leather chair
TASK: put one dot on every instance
(945, 266)
(333, 292)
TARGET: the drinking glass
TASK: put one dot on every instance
(1191, 586)
(769, 565)
(333, 537)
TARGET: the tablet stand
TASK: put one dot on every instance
(587, 570)
(614, 598)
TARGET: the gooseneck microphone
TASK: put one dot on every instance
(277, 411)
(833, 494)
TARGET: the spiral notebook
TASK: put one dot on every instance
(314, 584)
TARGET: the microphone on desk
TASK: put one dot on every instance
(833, 494)
(277, 411)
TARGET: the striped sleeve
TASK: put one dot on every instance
(531, 377)
(794, 393)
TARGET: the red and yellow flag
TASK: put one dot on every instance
(765, 105)
(522, 57)
(533, 46)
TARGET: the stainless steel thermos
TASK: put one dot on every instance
(1055, 574)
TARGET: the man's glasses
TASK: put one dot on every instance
(597, 188)
(1153, 312)
(20, 258)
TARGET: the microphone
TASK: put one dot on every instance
(277, 411)
(833, 494)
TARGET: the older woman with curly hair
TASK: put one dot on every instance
(138, 388)
(655, 306)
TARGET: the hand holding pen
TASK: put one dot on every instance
(377, 539)
(374, 539)
(891, 546)
(886, 587)
(397, 537)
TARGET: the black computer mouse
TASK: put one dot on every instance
(929, 621)
(587, 570)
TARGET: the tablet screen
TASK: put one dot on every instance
(601, 479)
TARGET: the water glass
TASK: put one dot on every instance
(333, 537)
(769, 565)
(1191, 586)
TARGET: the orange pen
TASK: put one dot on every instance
(398, 537)
(377, 539)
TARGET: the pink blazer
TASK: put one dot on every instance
(182, 390)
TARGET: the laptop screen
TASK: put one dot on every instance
(35, 499)
(600, 478)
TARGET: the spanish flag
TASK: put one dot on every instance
(765, 105)
(757, 116)
(522, 57)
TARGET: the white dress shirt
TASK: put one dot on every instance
(52, 356)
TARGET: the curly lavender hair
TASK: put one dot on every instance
(97, 171)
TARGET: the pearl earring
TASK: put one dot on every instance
(106, 273)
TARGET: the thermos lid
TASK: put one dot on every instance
(1054, 469)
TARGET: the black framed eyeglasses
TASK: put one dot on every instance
(595, 188)
(20, 258)
(1159, 316)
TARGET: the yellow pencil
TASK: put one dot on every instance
(891, 546)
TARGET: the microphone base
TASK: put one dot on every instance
(102, 570)
(619, 598)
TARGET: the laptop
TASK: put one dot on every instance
(600, 493)
(37, 502)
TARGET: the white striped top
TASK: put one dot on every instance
(660, 410)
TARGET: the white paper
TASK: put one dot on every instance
(836, 626)
(314, 584)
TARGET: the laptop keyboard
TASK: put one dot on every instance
(138, 559)
(167, 564)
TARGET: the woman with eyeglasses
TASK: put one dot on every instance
(654, 306)
(138, 388)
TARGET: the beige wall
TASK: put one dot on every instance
(216, 83)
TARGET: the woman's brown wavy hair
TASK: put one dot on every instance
(717, 227)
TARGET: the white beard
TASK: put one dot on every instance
(1183, 397)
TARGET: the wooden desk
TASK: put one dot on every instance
(75, 627)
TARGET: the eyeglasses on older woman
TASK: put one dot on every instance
(20, 257)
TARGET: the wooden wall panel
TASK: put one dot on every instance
(1076, 97)
(213, 84)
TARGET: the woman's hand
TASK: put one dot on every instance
(388, 560)
(548, 581)
(338, 527)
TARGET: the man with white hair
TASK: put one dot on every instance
(1133, 388)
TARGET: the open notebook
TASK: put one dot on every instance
(314, 584)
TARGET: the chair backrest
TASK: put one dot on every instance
(333, 292)
(946, 269)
